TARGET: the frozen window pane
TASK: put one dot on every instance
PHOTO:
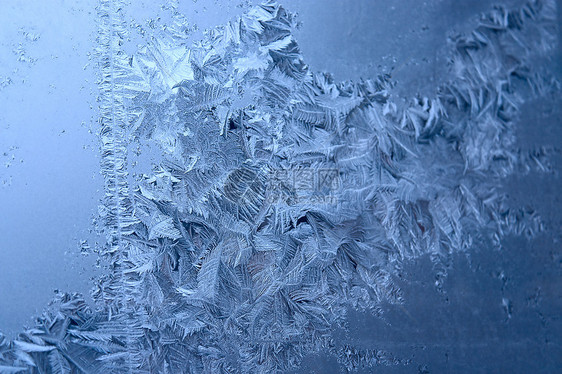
(347, 194)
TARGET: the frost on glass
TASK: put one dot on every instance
(278, 198)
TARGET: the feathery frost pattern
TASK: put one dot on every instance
(282, 198)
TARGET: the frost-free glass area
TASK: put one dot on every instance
(318, 186)
(49, 180)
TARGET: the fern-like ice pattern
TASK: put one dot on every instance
(281, 198)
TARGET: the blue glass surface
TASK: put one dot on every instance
(304, 187)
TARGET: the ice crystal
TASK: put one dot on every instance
(282, 198)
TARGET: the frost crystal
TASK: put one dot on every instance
(281, 198)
